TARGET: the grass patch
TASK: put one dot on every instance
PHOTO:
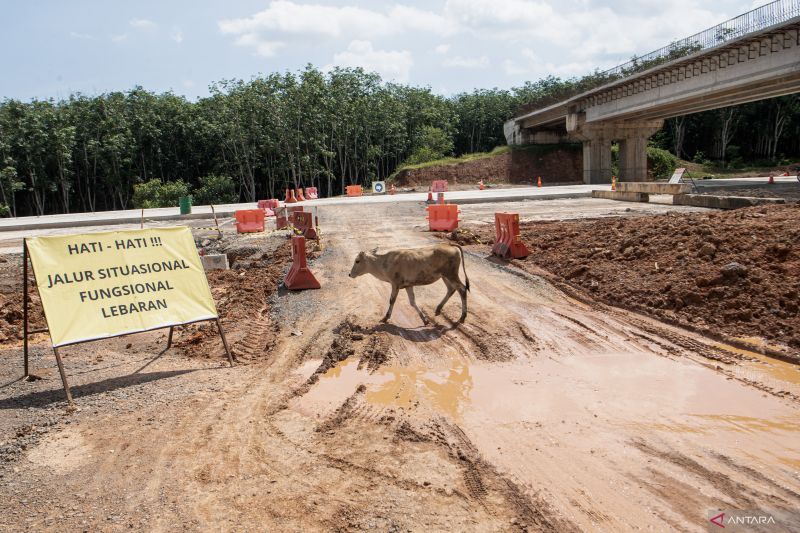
(500, 150)
(713, 171)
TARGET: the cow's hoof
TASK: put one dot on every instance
(384, 320)
(438, 312)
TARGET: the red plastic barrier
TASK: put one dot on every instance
(354, 190)
(507, 243)
(304, 223)
(299, 276)
(249, 220)
(439, 186)
(268, 206)
(442, 217)
(281, 219)
(311, 193)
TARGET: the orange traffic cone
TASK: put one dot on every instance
(300, 197)
(771, 179)
(292, 199)
(392, 189)
(430, 196)
(481, 186)
(440, 198)
(286, 200)
(613, 183)
(539, 181)
(785, 173)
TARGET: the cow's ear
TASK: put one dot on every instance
(374, 250)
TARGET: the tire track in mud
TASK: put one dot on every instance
(743, 496)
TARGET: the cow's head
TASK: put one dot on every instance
(361, 264)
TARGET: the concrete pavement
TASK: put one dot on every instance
(134, 216)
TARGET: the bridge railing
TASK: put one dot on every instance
(756, 20)
(753, 21)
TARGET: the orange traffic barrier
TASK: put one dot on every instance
(281, 219)
(300, 197)
(354, 190)
(481, 186)
(440, 198)
(507, 243)
(439, 186)
(613, 183)
(268, 206)
(442, 217)
(311, 193)
(249, 220)
(771, 180)
(539, 181)
(392, 189)
(299, 276)
(304, 223)
(430, 196)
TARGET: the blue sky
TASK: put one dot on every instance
(51, 48)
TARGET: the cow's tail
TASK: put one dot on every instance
(464, 266)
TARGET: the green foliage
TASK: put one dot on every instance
(154, 193)
(216, 189)
(661, 162)
(700, 158)
(5, 211)
(297, 129)
(430, 144)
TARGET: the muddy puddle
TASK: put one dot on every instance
(589, 407)
(445, 389)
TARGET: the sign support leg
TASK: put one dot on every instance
(225, 342)
(25, 307)
(169, 338)
(63, 377)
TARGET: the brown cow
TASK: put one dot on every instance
(409, 267)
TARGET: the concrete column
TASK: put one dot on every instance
(633, 158)
(597, 160)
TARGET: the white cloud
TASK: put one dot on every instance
(118, 38)
(390, 64)
(571, 37)
(466, 62)
(176, 35)
(286, 19)
(82, 36)
(285, 16)
(261, 47)
(142, 24)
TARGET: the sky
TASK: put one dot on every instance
(52, 48)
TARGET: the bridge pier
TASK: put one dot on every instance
(632, 138)
(597, 160)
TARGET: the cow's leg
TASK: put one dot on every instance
(392, 298)
(450, 291)
(412, 300)
(462, 291)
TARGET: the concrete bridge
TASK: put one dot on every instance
(751, 57)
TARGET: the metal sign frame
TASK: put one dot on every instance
(26, 332)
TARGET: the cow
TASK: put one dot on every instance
(408, 267)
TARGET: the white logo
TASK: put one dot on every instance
(378, 187)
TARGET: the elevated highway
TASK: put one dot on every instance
(751, 57)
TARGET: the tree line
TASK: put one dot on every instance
(252, 139)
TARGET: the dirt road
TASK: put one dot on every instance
(540, 413)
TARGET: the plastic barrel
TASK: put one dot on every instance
(186, 205)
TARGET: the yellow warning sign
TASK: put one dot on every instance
(101, 285)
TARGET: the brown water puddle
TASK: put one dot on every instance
(445, 388)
